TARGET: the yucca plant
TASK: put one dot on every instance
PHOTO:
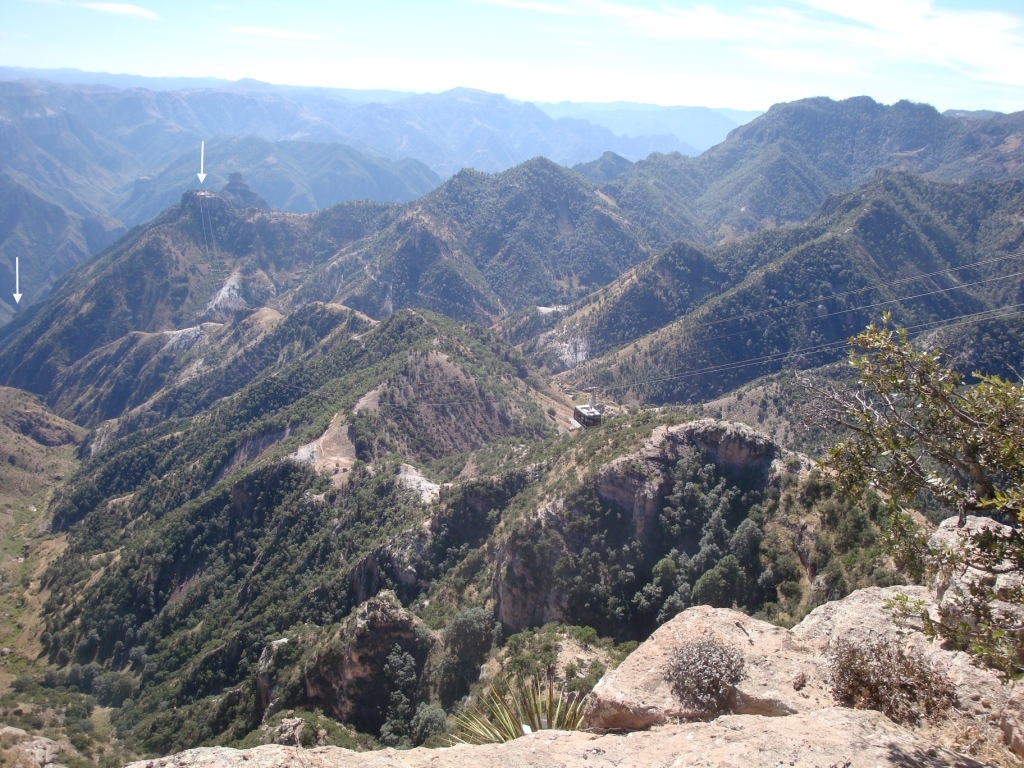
(507, 711)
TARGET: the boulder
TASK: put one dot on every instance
(10, 733)
(782, 674)
(288, 732)
(1011, 721)
(954, 583)
(40, 752)
(785, 671)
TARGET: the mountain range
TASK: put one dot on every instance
(112, 152)
(239, 437)
(539, 235)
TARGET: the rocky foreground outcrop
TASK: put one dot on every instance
(827, 737)
(783, 710)
(786, 672)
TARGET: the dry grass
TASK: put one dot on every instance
(886, 675)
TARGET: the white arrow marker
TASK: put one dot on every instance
(17, 282)
(202, 153)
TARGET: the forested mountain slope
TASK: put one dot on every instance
(479, 245)
(781, 166)
(310, 468)
(689, 324)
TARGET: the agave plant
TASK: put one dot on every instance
(507, 711)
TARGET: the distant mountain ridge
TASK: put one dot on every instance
(476, 248)
(75, 155)
(114, 156)
(775, 170)
(448, 131)
(782, 165)
(294, 176)
(482, 246)
(699, 127)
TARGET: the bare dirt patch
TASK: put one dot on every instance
(332, 453)
(371, 400)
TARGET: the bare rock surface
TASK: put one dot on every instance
(332, 453)
(834, 736)
(1011, 720)
(953, 585)
(32, 752)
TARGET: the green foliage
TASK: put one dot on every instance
(721, 585)
(401, 681)
(508, 711)
(531, 654)
(223, 546)
(113, 689)
(468, 639)
(535, 653)
(917, 427)
(429, 722)
(914, 427)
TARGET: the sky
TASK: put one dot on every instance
(953, 54)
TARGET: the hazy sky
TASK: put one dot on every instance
(745, 54)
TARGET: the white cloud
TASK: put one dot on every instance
(982, 45)
(279, 34)
(122, 9)
(843, 36)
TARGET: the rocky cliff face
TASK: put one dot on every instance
(637, 483)
(391, 563)
(340, 669)
(343, 676)
(782, 709)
